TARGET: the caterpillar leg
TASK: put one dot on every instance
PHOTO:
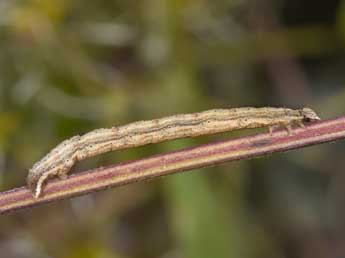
(271, 128)
(62, 174)
(300, 123)
(288, 128)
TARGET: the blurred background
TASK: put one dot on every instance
(67, 67)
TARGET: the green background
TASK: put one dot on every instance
(68, 67)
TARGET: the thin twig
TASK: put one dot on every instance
(169, 163)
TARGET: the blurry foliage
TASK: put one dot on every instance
(67, 67)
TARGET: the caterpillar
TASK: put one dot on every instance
(61, 159)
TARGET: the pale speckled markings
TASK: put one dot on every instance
(61, 159)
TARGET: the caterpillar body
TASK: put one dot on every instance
(61, 159)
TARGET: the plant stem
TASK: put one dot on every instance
(178, 161)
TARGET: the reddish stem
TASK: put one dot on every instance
(178, 161)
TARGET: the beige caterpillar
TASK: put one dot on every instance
(60, 160)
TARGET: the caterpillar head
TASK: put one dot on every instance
(309, 115)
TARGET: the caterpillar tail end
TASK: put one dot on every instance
(36, 181)
(32, 182)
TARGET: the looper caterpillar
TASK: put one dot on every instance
(60, 160)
